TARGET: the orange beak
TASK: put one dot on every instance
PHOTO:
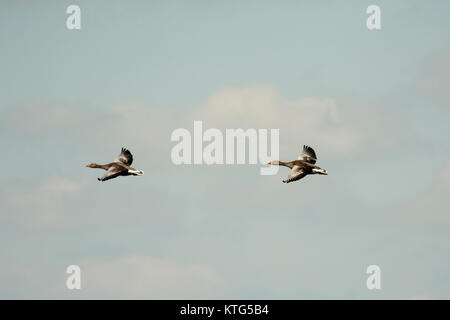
(269, 162)
(88, 165)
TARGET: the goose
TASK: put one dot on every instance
(304, 165)
(120, 167)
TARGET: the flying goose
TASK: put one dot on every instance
(120, 167)
(303, 166)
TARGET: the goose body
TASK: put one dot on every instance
(304, 165)
(121, 166)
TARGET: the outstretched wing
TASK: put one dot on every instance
(296, 174)
(111, 173)
(308, 155)
(125, 157)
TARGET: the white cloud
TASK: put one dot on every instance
(320, 122)
(314, 121)
(42, 204)
(70, 203)
(127, 277)
(147, 277)
(333, 129)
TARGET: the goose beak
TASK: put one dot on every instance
(269, 162)
(88, 165)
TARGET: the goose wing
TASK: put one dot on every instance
(308, 155)
(296, 174)
(125, 157)
(111, 173)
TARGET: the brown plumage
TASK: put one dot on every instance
(304, 165)
(120, 166)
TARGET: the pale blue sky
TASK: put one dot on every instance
(137, 70)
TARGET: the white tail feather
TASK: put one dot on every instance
(136, 172)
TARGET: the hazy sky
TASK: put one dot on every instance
(373, 104)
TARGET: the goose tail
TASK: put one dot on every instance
(136, 172)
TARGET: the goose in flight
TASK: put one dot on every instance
(304, 165)
(120, 167)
